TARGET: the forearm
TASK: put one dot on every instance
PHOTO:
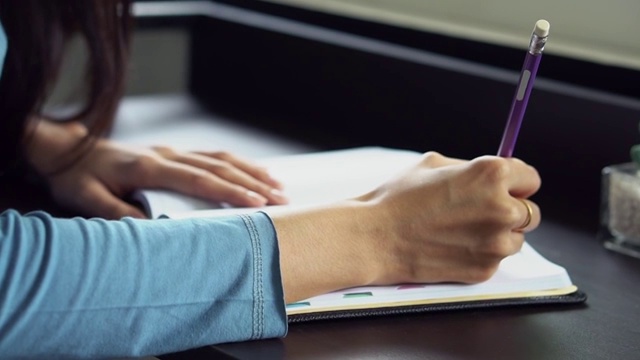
(326, 248)
(92, 289)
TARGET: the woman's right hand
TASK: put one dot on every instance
(451, 220)
(442, 220)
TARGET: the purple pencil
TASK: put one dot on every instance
(525, 84)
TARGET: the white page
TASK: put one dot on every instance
(526, 271)
(307, 178)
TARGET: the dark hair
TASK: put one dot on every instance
(37, 32)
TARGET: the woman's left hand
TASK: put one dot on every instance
(96, 184)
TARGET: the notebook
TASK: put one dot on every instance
(523, 278)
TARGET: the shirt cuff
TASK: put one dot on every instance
(269, 312)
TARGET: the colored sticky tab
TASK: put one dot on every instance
(298, 305)
(360, 294)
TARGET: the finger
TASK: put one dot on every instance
(249, 167)
(200, 183)
(233, 169)
(524, 179)
(520, 179)
(95, 200)
(232, 175)
(530, 215)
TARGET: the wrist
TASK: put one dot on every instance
(52, 145)
(385, 237)
(329, 247)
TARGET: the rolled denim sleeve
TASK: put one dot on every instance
(77, 288)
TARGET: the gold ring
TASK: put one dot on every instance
(527, 221)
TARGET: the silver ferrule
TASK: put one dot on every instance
(537, 44)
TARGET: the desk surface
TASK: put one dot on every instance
(606, 327)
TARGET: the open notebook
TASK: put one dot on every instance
(524, 278)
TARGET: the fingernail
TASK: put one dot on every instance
(256, 196)
(278, 193)
(274, 181)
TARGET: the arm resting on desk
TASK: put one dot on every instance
(80, 288)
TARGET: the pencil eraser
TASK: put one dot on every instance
(542, 28)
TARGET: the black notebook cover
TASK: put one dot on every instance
(572, 298)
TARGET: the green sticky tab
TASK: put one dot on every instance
(297, 305)
(360, 294)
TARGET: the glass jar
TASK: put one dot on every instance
(620, 208)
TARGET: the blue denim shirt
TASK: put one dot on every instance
(76, 288)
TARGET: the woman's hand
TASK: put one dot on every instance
(453, 220)
(97, 182)
(443, 220)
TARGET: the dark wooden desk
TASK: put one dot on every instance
(606, 327)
